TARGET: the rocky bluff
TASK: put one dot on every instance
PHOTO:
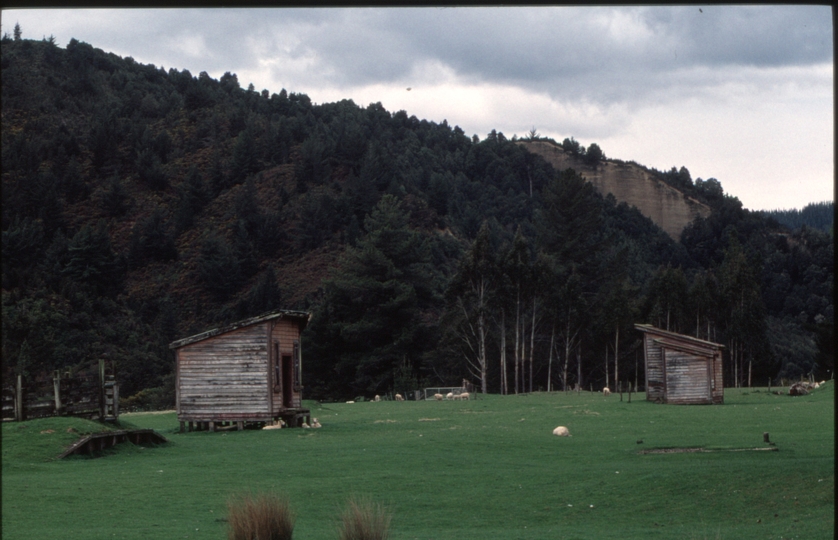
(668, 208)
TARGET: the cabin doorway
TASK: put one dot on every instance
(287, 381)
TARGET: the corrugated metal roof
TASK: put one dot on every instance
(303, 316)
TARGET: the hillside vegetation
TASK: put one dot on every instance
(142, 205)
(815, 215)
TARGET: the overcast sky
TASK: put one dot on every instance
(743, 94)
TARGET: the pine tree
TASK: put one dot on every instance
(370, 320)
(218, 267)
(569, 228)
(92, 261)
(743, 309)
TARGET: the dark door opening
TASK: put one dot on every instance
(287, 381)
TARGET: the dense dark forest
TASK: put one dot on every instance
(142, 205)
(819, 216)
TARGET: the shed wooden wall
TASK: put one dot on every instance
(225, 377)
(682, 377)
(654, 369)
(687, 378)
(718, 375)
(286, 332)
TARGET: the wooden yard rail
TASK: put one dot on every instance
(106, 439)
(83, 393)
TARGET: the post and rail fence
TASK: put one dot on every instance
(90, 391)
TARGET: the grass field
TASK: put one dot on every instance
(488, 468)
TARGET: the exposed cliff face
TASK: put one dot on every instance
(667, 207)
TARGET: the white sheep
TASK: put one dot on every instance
(438, 397)
(606, 391)
(449, 395)
(279, 424)
(315, 423)
(399, 397)
(561, 431)
(465, 396)
(377, 398)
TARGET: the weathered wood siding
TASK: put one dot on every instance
(687, 378)
(654, 370)
(718, 389)
(285, 334)
(681, 369)
(225, 377)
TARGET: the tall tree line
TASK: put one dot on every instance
(143, 204)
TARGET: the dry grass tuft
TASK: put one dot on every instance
(364, 520)
(266, 516)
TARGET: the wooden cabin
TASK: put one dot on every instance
(681, 369)
(246, 372)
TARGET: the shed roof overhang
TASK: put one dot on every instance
(681, 342)
(302, 317)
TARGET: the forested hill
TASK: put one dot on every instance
(141, 206)
(815, 215)
(669, 207)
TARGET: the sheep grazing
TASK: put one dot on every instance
(606, 391)
(315, 423)
(377, 398)
(465, 396)
(438, 397)
(561, 431)
(399, 397)
(449, 395)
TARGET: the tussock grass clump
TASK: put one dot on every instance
(364, 520)
(264, 516)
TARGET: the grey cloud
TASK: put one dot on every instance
(605, 55)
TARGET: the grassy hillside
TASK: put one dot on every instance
(481, 469)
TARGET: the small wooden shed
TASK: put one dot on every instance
(246, 372)
(681, 369)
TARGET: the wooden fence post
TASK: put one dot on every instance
(56, 385)
(102, 399)
(115, 400)
(19, 413)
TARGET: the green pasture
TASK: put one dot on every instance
(487, 468)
